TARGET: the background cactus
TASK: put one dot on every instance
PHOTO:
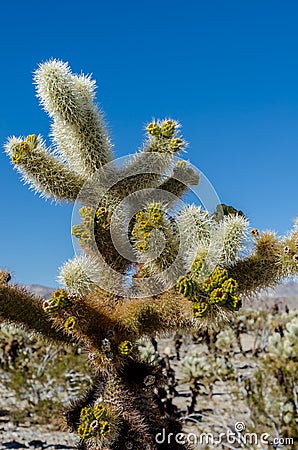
(192, 260)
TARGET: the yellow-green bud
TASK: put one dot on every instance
(70, 323)
(125, 347)
(17, 158)
(86, 414)
(187, 286)
(101, 212)
(135, 231)
(86, 236)
(197, 265)
(88, 222)
(32, 140)
(156, 218)
(154, 129)
(181, 164)
(142, 247)
(77, 231)
(84, 430)
(218, 295)
(168, 128)
(144, 225)
(105, 427)
(219, 276)
(99, 411)
(155, 207)
(176, 144)
(234, 303)
(141, 215)
(24, 147)
(87, 211)
(230, 286)
(200, 309)
(60, 298)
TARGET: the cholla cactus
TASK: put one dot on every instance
(172, 269)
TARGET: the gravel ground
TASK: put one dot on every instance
(34, 437)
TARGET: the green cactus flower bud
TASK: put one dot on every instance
(125, 348)
(17, 158)
(197, 265)
(144, 225)
(86, 414)
(21, 151)
(230, 286)
(24, 147)
(168, 128)
(86, 236)
(105, 428)
(135, 231)
(153, 129)
(207, 285)
(155, 207)
(61, 298)
(219, 276)
(99, 411)
(200, 309)
(32, 140)
(77, 231)
(88, 222)
(156, 218)
(70, 323)
(142, 247)
(101, 213)
(176, 144)
(87, 211)
(187, 286)
(219, 296)
(141, 215)
(234, 303)
(84, 430)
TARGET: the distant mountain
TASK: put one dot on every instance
(284, 294)
(41, 291)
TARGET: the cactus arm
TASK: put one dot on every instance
(144, 169)
(78, 129)
(182, 178)
(43, 171)
(155, 315)
(20, 307)
(271, 260)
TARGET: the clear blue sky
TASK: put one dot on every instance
(228, 70)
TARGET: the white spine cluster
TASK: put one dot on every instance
(194, 225)
(77, 274)
(78, 130)
(43, 171)
(231, 234)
